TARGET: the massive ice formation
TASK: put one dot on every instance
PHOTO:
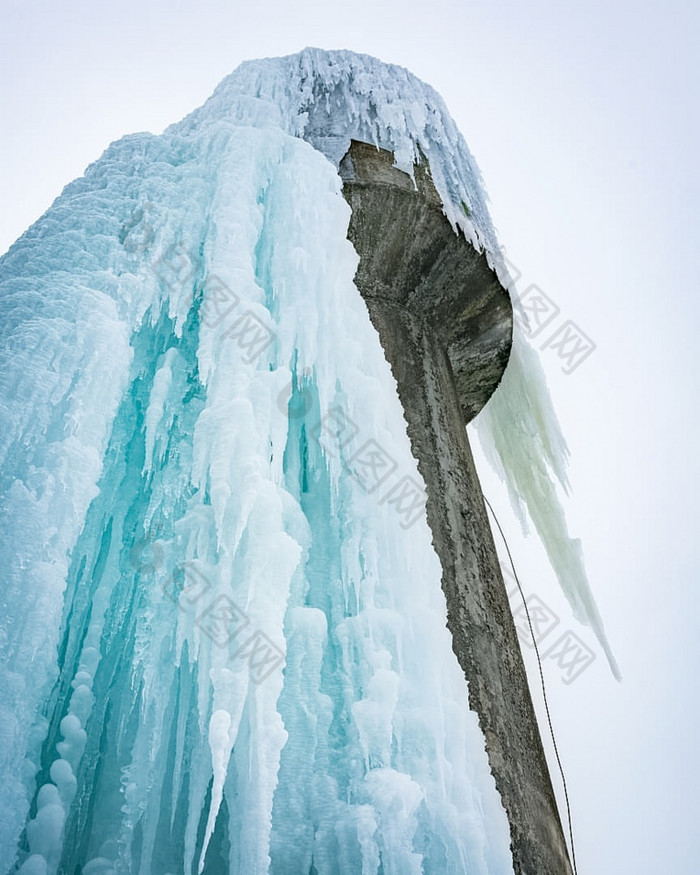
(224, 649)
(223, 638)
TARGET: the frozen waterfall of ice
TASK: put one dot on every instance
(223, 642)
(223, 638)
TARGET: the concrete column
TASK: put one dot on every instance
(446, 325)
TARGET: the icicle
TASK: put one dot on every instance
(521, 438)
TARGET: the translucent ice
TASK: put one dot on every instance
(224, 649)
(519, 433)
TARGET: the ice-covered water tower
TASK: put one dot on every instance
(254, 620)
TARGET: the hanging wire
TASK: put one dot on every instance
(544, 688)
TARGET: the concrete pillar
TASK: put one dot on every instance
(445, 324)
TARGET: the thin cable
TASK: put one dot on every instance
(544, 688)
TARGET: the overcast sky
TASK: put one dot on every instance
(583, 118)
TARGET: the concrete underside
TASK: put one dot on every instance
(445, 324)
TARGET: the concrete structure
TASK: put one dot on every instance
(445, 324)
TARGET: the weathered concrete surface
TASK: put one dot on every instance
(411, 255)
(446, 325)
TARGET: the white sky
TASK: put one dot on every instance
(583, 118)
